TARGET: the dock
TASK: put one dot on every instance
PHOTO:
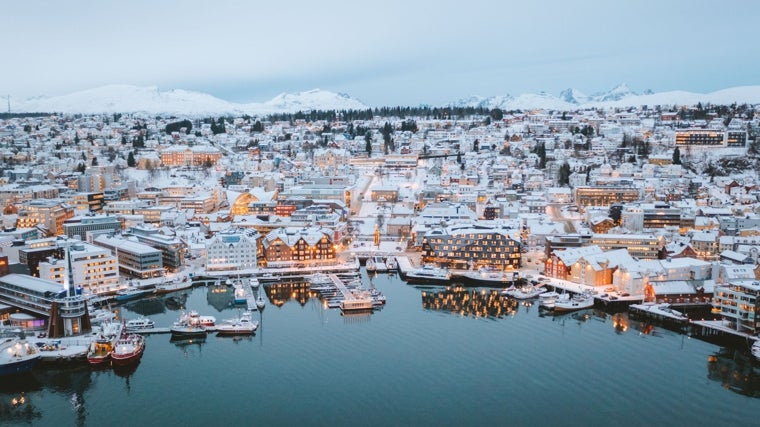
(150, 331)
(345, 293)
(250, 300)
(659, 312)
(404, 265)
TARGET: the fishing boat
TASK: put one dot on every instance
(100, 350)
(17, 356)
(139, 324)
(576, 302)
(189, 325)
(429, 274)
(242, 325)
(128, 349)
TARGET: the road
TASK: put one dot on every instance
(555, 212)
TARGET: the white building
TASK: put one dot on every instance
(230, 251)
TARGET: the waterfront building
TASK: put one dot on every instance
(232, 250)
(67, 313)
(172, 249)
(135, 259)
(298, 244)
(738, 304)
(471, 246)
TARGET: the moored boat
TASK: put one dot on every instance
(548, 299)
(173, 285)
(240, 294)
(524, 292)
(242, 325)
(128, 349)
(429, 274)
(17, 356)
(576, 302)
(139, 324)
(100, 350)
(391, 264)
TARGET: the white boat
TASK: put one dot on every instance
(756, 349)
(429, 274)
(380, 266)
(370, 265)
(524, 292)
(173, 285)
(548, 299)
(260, 303)
(254, 283)
(242, 325)
(17, 356)
(240, 297)
(356, 304)
(391, 264)
(139, 324)
(576, 302)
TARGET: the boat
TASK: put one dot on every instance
(756, 349)
(173, 286)
(189, 325)
(240, 297)
(17, 356)
(576, 302)
(254, 283)
(524, 292)
(260, 303)
(356, 304)
(548, 299)
(242, 325)
(379, 263)
(391, 264)
(131, 293)
(429, 274)
(139, 324)
(128, 349)
(100, 350)
(377, 297)
(370, 265)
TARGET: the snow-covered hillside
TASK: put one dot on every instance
(151, 100)
(618, 97)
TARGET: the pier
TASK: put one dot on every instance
(346, 294)
(659, 312)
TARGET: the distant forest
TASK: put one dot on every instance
(400, 112)
(23, 115)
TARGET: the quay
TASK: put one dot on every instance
(719, 330)
(662, 313)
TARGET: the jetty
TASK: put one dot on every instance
(659, 312)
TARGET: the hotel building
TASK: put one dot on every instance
(473, 246)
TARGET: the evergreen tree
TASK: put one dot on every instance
(564, 174)
(94, 161)
(81, 168)
(677, 156)
(131, 159)
(368, 143)
(257, 127)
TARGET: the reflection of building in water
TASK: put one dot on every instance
(219, 297)
(620, 322)
(280, 293)
(476, 303)
(734, 370)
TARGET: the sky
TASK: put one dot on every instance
(383, 52)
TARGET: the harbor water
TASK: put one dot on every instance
(431, 356)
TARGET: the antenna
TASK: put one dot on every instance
(8, 98)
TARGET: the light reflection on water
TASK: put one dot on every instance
(431, 356)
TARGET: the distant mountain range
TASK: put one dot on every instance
(151, 100)
(618, 97)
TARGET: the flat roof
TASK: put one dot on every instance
(32, 283)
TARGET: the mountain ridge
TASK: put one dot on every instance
(152, 100)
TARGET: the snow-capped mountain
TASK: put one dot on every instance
(151, 100)
(621, 96)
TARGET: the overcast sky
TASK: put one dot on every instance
(382, 52)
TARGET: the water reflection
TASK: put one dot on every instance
(188, 346)
(735, 371)
(280, 293)
(146, 306)
(478, 303)
(220, 297)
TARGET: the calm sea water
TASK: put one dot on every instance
(429, 357)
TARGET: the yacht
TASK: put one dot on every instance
(17, 356)
(576, 302)
(429, 274)
(242, 325)
(139, 324)
(391, 264)
(370, 265)
(548, 299)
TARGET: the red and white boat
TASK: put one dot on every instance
(100, 351)
(128, 349)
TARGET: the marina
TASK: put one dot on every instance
(476, 319)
